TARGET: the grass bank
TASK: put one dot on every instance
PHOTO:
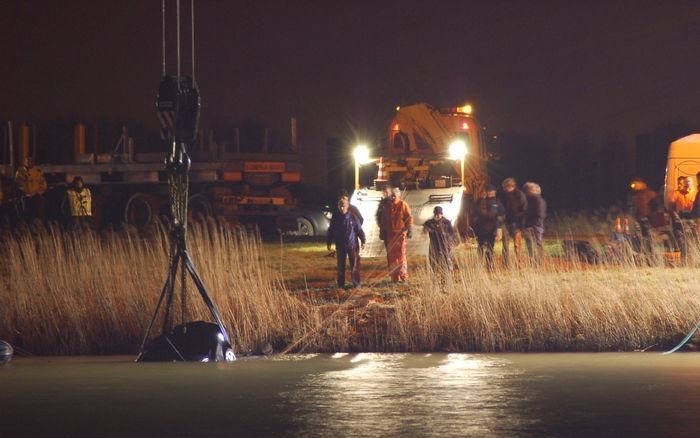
(67, 293)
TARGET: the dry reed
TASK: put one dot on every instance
(78, 293)
(68, 293)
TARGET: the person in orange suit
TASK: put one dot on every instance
(395, 224)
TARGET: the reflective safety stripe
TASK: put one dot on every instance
(80, 202)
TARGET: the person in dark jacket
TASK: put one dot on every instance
(534, 220)
(343, 194)
(515, 204)
(346, 232)
(644, 204)
(442, 240)
(386, 198)
(488, 215)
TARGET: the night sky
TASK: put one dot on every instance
(341, 67)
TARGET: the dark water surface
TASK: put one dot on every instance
(603, 394)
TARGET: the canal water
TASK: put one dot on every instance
(355, 395)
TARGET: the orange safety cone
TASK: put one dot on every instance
(381, 175)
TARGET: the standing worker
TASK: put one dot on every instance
(80, 202)
(343, 195)
(345, 229)
(534, 220)
(644, 205)
(386, 198)
(515, 204)
(32, 185)
(442, 240)
(681, 207)
(695, 212)
(488, 216)
(396, 222)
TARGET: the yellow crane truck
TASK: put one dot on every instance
(437, 157)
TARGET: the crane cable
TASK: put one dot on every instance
(163, 63)
(178, 42)
(162, 16)
(192, 31)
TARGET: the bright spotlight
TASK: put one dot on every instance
(458, 150)
(361, 154)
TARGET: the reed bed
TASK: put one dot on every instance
(83, 293)
(548, 308)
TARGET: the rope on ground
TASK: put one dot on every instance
(684, 341)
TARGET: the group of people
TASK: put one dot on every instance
(683, 209)
(520, 212)
(395, 222)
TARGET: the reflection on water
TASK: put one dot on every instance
(430, 395)
(411, 395)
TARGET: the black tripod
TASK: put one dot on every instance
(178, 107)
(178, 99)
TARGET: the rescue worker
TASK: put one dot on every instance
(488, 217)
(80, 202)
(681, 206)
(683, 198)
(515, 204)
(32, 186)
(442, 240)
(346, 232)
(396, 223)
(534, 220)
(644, 204)
(695, 212)
(343, 194)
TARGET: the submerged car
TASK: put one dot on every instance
(305, 221)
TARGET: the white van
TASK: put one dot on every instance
(683, 160)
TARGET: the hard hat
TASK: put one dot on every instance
(638, 184)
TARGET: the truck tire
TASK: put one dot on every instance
(198, 207)
(138, 211)
(304, 227)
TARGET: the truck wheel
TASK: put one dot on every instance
(138, 211)
(198, 207)
(304, 227)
